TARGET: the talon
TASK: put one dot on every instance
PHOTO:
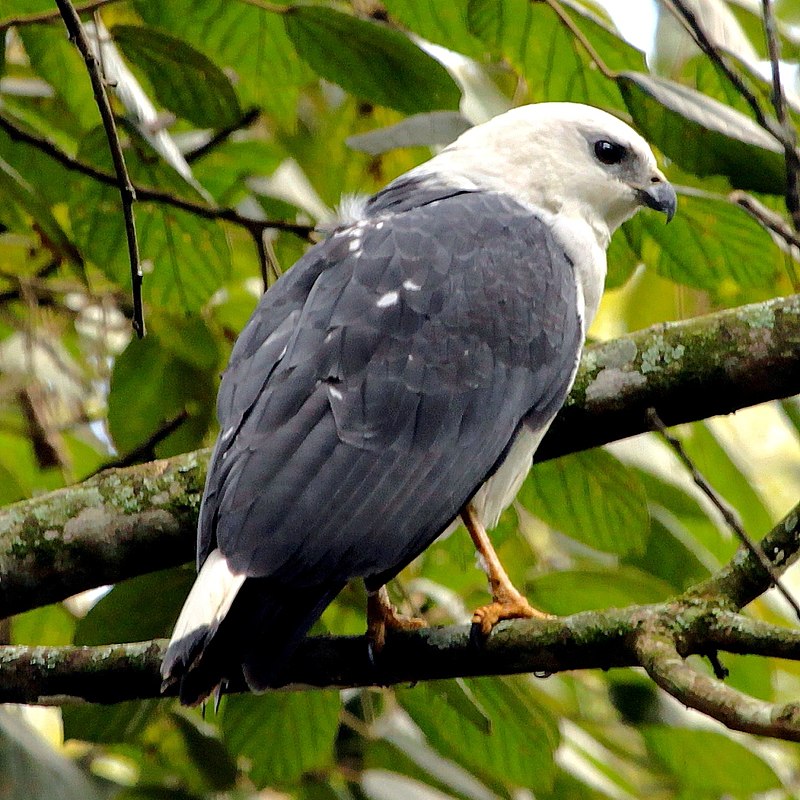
(382, 616)
(486, 617)
(507, 602)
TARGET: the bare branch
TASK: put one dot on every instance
(147, 194)
(126, 191)
(693, 369)
(222, 135)
(657, 653)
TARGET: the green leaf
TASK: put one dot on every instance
(206, 751)
(224, 170)
(51, 625)
(703, 135)
(184, 80)
(44, 175)
(554, 65)
(668, 558)
(709, 762)
(458, 696)
(31, 768)
(570, 591)
(17, 191)
(185, 258)
(150, 386)
(370, 60)
(519, 749)
(121, 722)
(712, 546)
(442, 23)
(592, 497)
(714, 245)
(283, 734)
(245, 41)
(137, 609)
(433, 128)
(57, 60)
(788, 11)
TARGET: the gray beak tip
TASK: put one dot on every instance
(660, 197)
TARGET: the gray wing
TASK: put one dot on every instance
(378, 384)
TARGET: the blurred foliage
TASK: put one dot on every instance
(249, 106)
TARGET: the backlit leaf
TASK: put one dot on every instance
(184, 80)
(370, 60)
(592, 497)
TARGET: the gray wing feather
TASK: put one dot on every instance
(378, 384)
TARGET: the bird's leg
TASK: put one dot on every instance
(383, 616)
(507, 602)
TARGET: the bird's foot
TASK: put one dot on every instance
(506, 604)
(382, 616)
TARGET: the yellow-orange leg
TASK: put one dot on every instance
(383, 616)
(507, 602)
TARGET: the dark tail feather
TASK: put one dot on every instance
(255, 639)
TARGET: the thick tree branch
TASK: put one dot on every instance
(103, 530)
(588, 640)
(116, 525)
(687, 371)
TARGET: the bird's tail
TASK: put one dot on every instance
(232, 626)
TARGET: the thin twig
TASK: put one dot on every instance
(773, 222)
(222, 135)
(147, 194)
(43, 17)
(146, 450)
(688, 19)
(577, 33)
(789, 139)
(126, 191)
(727, 512)
(263, 258)
(656, 650)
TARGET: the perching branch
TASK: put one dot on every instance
(127, 522)
(67, 541)
(127, 193)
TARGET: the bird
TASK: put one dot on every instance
(399, 377)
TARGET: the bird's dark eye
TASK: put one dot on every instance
(609, 152)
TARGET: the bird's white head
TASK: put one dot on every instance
(568, 159)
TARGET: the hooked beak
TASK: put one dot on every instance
(659, 196)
